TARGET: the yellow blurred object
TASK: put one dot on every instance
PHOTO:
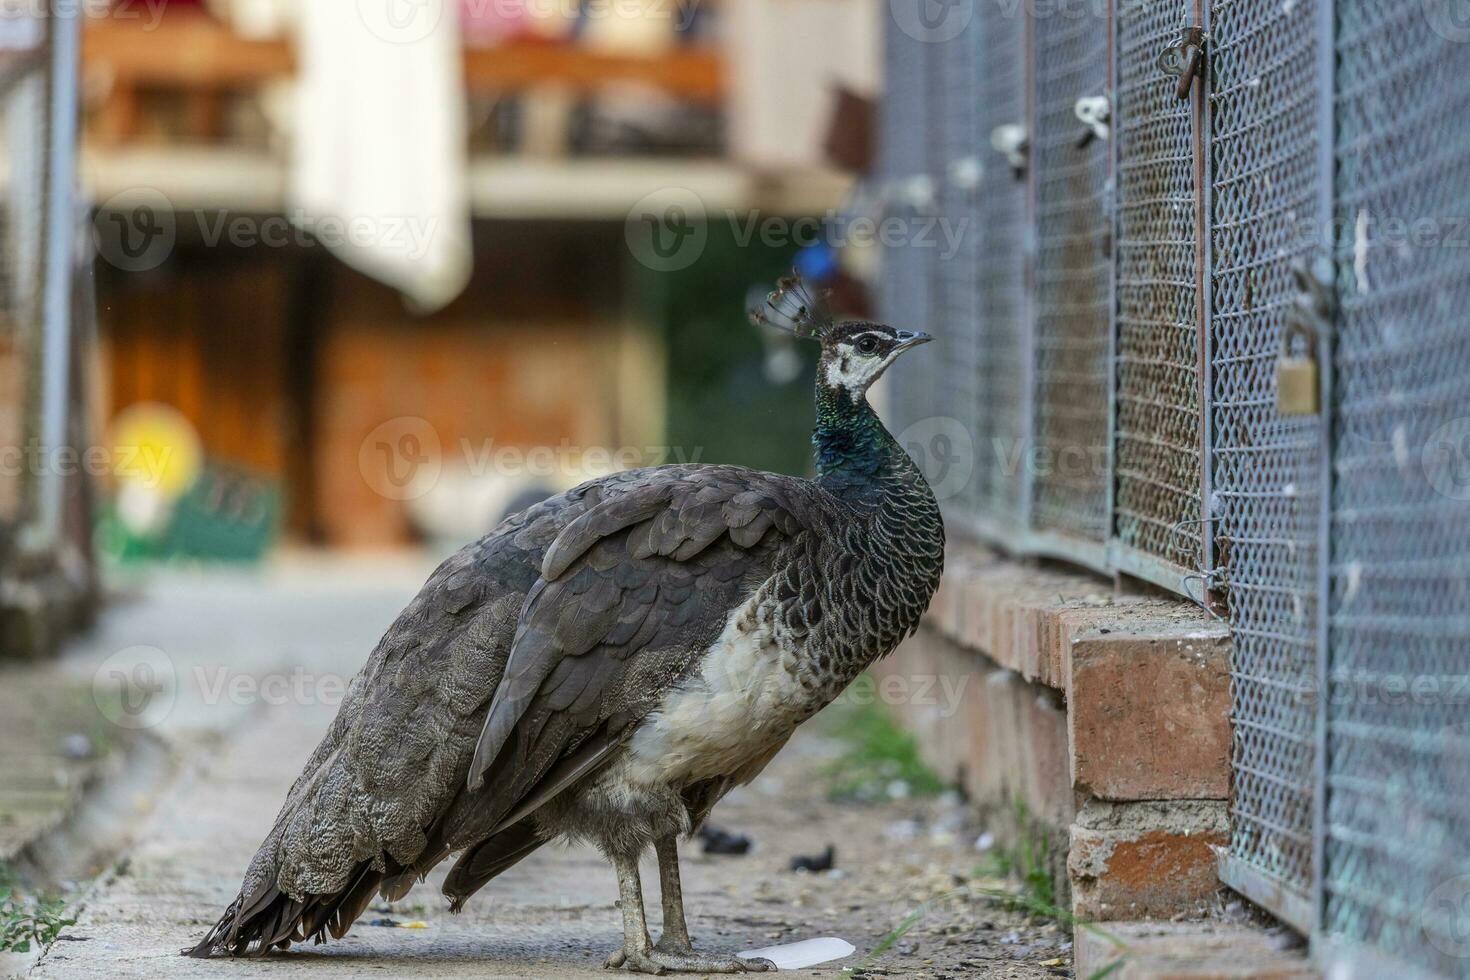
(154, 446)
(416, 924)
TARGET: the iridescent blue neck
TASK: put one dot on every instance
(854, 452)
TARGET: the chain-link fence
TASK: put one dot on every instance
(957, 248)
(1228, 242)
(1000, 280)
(1396, 823)
(1069, 498)
(904, 160)
(1265, 197)
(1159, 452)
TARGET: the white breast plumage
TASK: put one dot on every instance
(744, 700)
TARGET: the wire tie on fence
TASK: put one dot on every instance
(1174, 528)
(1206, 579)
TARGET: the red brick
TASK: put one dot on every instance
(1134, 860)
(982, 775)
(1046, 784)
(1004, 726)
(1006, 611)
(1149, 713)
(976, 633)
(960, 696)
(911, 685)
(1189, 951)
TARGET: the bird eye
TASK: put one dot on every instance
(867, 345)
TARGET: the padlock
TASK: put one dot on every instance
(1297, 392)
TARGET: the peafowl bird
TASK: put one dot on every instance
(606, 665)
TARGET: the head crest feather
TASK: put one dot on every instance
(794, 308)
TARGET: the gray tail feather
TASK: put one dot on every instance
(255, 925)
(487, 859)
(275, 920)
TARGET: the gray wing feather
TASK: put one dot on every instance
(620, 581)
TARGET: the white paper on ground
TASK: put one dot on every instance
(808, 952)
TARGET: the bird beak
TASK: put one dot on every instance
(912, 338)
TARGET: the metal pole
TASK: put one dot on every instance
(1030, 249)
(1203, 265)
(1326, 29)
(1111, 544)
(59, 242)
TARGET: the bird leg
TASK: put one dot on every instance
(673, 952)
(675, 938)
(636, 943)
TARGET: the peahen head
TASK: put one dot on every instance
(855, 353)
(854, 453)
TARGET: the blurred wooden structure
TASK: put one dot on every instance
(285, 360)
(204, 60)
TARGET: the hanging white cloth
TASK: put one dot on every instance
(379, 160)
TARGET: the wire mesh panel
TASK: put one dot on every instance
(1071, 314)
(1157, 436)
(1265, 217)
(907, 148)
(1396, 870)
(1000, 435)
(956, 247)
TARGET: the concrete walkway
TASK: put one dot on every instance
(255, 665)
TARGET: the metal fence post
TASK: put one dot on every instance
(59, 242)
(1326, 40)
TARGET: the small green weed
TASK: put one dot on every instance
(878, 755)
(23, 920)
(1034, 893)
(1028, 863)
(1007, 899)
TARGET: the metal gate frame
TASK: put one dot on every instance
(1120, 556)
(1018, 531)
(1391, 942)
(1275, 616)
(1037, 540)
(1326, 208)
(1005, 40)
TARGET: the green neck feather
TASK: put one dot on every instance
(853, 450)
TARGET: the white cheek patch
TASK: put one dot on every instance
(855, 373)
(840, 373)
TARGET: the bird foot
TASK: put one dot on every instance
(673, 960)
(675, 947)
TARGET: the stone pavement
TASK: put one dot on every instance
(239, 675)
(53, 746)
